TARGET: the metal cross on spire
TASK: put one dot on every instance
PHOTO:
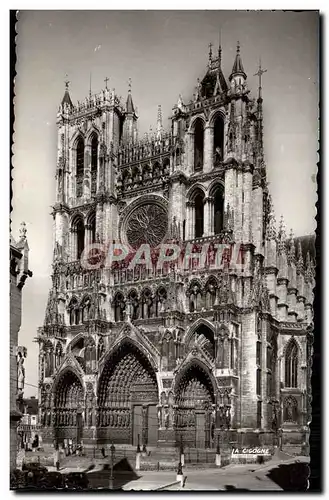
(66, 81)
(259, 73)
(129, 84)
(106, 79)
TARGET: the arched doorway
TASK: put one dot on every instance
(128, 398)
(68, 409)
(194, 400)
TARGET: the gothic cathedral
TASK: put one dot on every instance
(183, 351)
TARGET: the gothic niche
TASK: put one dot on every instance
(147, 309)
(119, 306)
(198, 144)
(210, 292)
(218, 141)
(194, 294)
(194, 400)
(290, 410)
(48, 353)
(148, 223)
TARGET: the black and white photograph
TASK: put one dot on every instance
(163, 249)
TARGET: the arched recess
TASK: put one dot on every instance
(217, 194)
(198, 206)
(291, 364)
(91, 227)
(119, 306)
(127, 397)
(147, 304)
(68, 400)
(80, 165)
(218, 140)
(94, 162)
(78, 236)
(194, 400)
(48, 350)
(198, 144)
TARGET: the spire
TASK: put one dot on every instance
(210, 54)
(259, 73)
(300, 260)
(159, 122)
(237, 66)
(282, 237)
(271, 229)
(67, 99)
(292, 249)
(220, 50)
(309, 269)
(129, 104)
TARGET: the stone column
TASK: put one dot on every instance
(206, 217)
(87, 173)
(208, 147)
(190, 153)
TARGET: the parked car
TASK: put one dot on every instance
(76, 481)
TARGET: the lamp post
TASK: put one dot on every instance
(112, 460)
(181, 451)
(275, 423)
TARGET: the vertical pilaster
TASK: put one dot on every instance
(247, 205)
(208, 148)
(257, 218)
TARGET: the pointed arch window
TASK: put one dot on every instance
(73, 307)
(198, 145)
(291, 365)
(119, 307)
(218, 210)
(94, 163)
(80, 230)
(199, 215)
(161, 297)
(218, 141)
(80, 167)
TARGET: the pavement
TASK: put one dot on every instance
(252, 477)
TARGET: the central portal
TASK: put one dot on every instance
(127, 395)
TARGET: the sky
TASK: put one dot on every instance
(163, 52)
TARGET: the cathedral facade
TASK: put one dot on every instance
(218, 338)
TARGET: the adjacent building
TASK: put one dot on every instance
(19, 272)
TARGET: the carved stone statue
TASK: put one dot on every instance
(20, 372)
